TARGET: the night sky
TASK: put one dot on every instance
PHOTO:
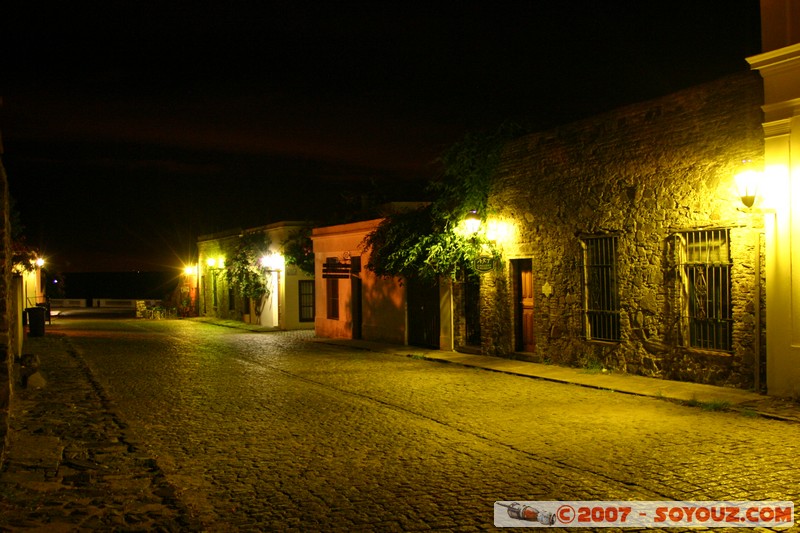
(130, 128)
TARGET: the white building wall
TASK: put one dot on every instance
(780, 205)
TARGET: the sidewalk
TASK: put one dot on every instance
(703, 396)
(693, 394)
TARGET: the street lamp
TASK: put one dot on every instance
(747, 182)
(273, 262)
(472, 222)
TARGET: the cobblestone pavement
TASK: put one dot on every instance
(71, 464)
(221, 430)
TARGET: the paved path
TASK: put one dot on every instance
(179, 425)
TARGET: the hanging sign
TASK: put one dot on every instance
(484, 263)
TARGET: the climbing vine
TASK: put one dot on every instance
(244, 271)
(427, 242)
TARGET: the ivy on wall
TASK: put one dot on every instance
(243, 271)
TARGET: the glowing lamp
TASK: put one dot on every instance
(472, 222)
(747, 181)
(273, 261)
(39, 262)
(216, 262)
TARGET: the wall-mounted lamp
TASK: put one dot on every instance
(747, 182)
(273, 261)
(472, 222)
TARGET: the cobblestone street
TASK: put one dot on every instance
(227, 429)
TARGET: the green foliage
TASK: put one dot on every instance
(417, 244)
(244, 271)
(298, 250)
(425, 243)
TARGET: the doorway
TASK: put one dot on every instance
(423, 312)
(523, 305)
(472, 309)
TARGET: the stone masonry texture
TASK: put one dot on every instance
(644, 173)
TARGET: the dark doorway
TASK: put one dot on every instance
(472, 309)
(423, 312)
(523, 300)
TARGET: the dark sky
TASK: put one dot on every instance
(130, 127)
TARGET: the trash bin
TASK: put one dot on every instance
(46, 307)
(36, 321)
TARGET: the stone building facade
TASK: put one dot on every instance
(625, 243)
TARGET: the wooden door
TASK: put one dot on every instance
(422, 299)
(524, 302)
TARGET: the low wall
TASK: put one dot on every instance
(67, 303)
(131, 304)
(63, 302)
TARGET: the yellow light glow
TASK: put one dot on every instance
(774, 189)
(499, 231)
(39, 262)
(273, 261)
(747, 183)
(190, 270)
(211, 262)
(221, 262)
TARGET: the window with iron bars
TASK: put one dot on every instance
(705, 268)
(601, 295)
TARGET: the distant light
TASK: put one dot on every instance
(39, 262)
(190, 270)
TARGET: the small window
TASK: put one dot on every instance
(601, 297)
(306, 292)
(705, 268)
(332, 297)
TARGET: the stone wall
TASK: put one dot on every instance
(643, 173)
